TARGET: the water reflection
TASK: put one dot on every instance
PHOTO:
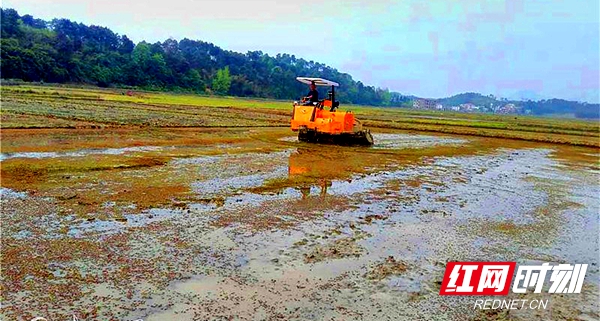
(312, 167)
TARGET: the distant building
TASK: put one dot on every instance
(424, 104)
(468, 107)
(508, 109)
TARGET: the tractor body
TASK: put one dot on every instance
(321, 122)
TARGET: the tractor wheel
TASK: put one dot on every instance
(305, 135)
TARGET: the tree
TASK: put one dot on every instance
(10, 23)
(222, 81)
(193, 81)
(125, 45)
(32, 22)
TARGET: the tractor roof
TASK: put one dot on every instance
(317, 81)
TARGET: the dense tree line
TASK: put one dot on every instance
(63, 51)
(561, 106)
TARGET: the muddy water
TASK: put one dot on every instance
(291, 231)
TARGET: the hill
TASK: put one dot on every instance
(63, 51)
(472, 98)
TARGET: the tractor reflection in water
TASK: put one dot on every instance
(310, 168)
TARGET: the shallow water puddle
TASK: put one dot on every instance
(9, 193)
(401, 141)
(83, 152)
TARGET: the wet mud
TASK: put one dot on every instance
(251, 224)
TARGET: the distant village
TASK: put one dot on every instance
(497, 108)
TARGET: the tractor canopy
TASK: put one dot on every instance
(317, 81)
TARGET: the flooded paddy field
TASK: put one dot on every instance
(248, 223)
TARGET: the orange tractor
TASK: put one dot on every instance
(320, 122)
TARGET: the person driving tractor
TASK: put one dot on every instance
(312, 96)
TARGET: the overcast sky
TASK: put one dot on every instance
(436, 48)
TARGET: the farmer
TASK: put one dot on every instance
(313, 94)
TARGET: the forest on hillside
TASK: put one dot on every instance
(64, 51)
